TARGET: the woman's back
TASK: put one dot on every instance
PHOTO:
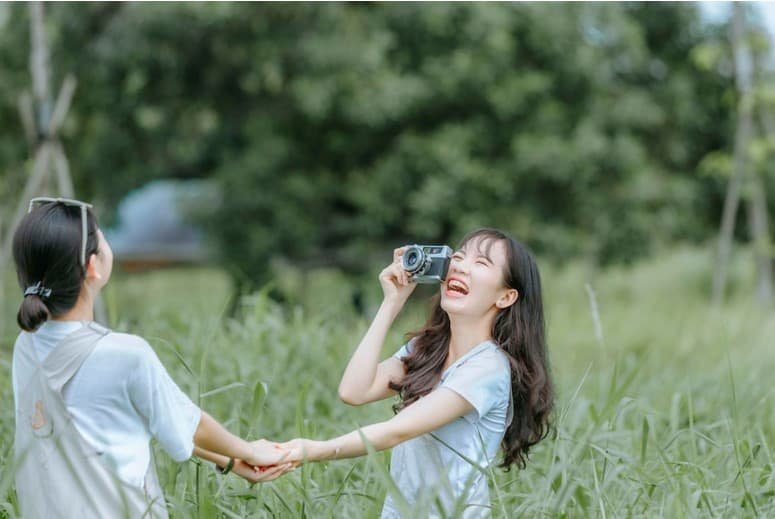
(59, 474)
(119, 399)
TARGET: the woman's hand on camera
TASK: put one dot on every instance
(396, 283)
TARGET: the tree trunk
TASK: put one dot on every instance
(760, 235)
(39, 169)
(62, 169)
(40, 122)
(4, 306)
(39, 67)
(758, 215)
(742, 140)
(759, 219)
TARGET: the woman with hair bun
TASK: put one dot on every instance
(88, 400)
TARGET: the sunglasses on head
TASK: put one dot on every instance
(43, 200)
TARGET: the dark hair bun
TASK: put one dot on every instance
(32, 313)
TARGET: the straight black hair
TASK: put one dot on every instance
(47, 250)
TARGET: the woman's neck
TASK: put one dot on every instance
(82, 311)
(465, 335)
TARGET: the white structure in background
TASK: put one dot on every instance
(156, 225)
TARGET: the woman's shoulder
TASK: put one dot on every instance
(19, 349)
(489, 365)
(493, 357)
(125, 340)
(20, 339)
(496, 372)
(126, 345)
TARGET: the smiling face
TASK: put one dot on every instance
(475, 285)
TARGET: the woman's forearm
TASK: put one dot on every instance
(218, 459)
(380, 436)
(213, 437)
(361, 371)
(432, 411)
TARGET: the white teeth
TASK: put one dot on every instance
(457, 286)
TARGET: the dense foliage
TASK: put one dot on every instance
(335, 129)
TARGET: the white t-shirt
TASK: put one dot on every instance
(120, 398)
(435, 463)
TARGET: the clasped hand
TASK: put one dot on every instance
(268, 461)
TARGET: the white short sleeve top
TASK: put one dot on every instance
(436, 463)
(120, 398)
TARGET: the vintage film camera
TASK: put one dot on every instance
(426, 263)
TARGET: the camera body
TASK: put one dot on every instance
(426, 263)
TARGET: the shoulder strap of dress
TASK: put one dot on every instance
(64, 361)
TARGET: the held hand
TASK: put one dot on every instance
(264, 453)
(301, 450)
(396, 283)
(260, 474)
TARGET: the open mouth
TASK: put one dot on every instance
(457, 286)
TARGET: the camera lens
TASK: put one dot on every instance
(413, 259)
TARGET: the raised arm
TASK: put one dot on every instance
(427, 414)
(366, 379)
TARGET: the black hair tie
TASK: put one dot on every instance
(38, 290)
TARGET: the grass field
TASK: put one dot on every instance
(666, 407)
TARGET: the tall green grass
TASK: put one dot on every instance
(665, 408)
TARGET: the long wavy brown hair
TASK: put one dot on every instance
(519, 330)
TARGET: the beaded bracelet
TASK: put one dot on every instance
(227, 468)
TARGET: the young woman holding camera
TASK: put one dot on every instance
(473, 379)
(89, 400)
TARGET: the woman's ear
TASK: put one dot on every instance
(508, 298)
(92, 268)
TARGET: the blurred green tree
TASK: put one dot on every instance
(336, 131)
